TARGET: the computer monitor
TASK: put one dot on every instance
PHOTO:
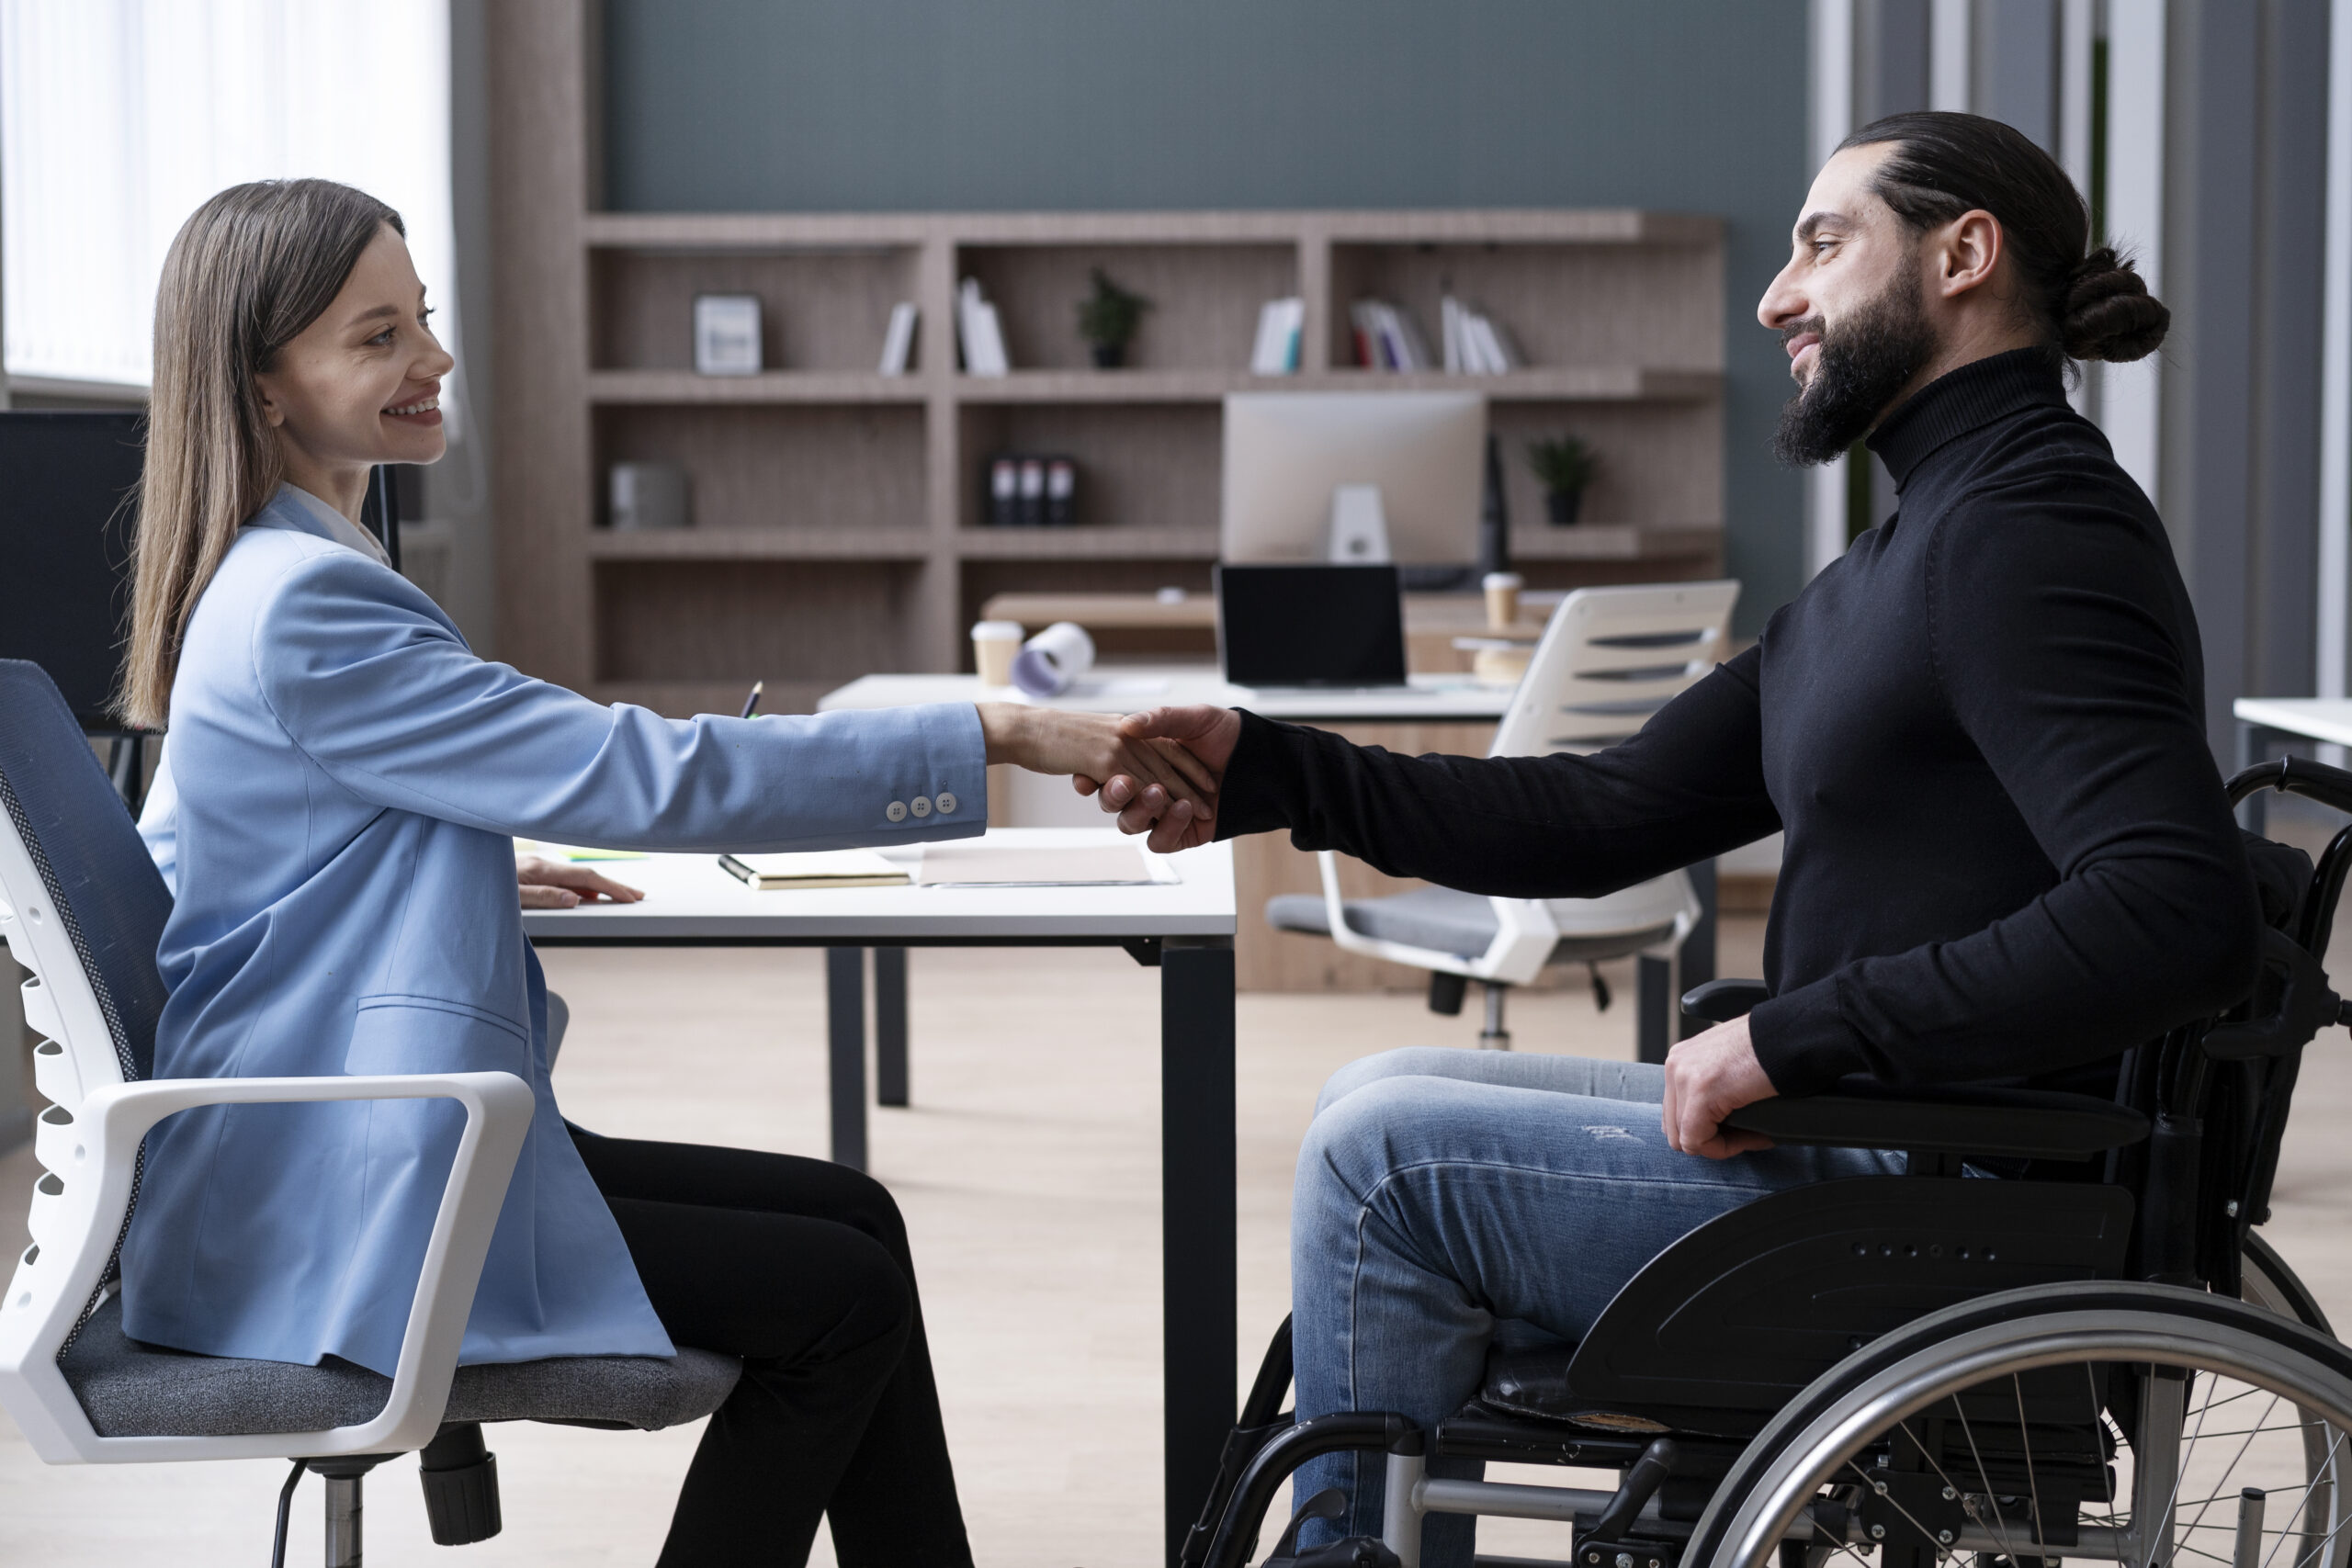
(68, 499)
(1286, 453)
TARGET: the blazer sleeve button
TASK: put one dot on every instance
(895, 811)
(920, 807)
(946, 804)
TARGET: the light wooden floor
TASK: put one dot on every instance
(1028, 1173)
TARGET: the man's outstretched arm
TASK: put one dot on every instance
(1689, 786)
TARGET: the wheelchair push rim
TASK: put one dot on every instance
(1859, 1405)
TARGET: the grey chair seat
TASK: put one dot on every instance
(1442, 919)
(132, 1390)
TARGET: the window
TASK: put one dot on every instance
(119, 118)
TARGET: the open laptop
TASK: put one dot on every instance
(1310, 626)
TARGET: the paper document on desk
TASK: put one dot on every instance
(1009, 865)
(821, 868)
(575, 853)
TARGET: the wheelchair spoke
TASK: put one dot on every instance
(2234, 1458)
(2296, 1518)
(2032, 1486)
(2000, 1526)
(2324, 1543)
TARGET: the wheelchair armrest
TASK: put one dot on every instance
(1974, 1120)
(1720, 1001)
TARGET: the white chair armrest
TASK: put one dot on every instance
(112, 1123)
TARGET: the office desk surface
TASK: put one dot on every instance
(689, 900)
(2315, 719)
(1125, 688)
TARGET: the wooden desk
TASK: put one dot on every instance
(1185, 930)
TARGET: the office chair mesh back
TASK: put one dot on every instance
(110, 901)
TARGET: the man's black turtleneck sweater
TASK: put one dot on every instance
(2007, 853)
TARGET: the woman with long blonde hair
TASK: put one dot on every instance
(343, 780)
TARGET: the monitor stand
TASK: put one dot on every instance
(1358, 531)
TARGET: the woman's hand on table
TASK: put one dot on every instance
(555, 885)
(1206, 735)
(1163, 777)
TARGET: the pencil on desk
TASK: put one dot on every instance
(752, 703)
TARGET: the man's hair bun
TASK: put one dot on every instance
(2108, 313)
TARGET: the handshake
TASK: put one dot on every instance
(1159, 770)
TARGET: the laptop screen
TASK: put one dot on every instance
(1310, 626)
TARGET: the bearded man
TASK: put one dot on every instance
(2007, 855)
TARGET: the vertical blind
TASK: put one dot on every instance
(119, 118)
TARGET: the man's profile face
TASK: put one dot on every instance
(1849, 309)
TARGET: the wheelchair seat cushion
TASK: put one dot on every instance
(132, 1390)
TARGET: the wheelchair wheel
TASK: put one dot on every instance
(2142, 1425)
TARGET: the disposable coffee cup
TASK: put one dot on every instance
(994, 644)
(1502, 598)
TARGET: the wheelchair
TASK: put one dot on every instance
(2094, 1356)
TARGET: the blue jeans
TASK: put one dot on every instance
(1447, 1199)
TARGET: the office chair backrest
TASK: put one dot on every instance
(85, 904)
(1609, 658)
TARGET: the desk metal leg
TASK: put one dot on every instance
(891, 1026)
(1199, 1284)
(1698, 960)
(1653, 1009)
(845, 1040)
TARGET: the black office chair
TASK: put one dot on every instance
(2094, 1356)
(82, 908)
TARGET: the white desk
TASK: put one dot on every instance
(2260, 719)
(1185, 928)
(1427, 699)
(2312, 719)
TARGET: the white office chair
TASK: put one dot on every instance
(1607, 660)
(82, 907)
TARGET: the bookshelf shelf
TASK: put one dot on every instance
(836, 511)
(763, 544)
(1088, 543)
(1592, 383)
(768, 387)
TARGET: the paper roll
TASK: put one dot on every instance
(1052, 660)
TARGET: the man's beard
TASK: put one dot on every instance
(1857, 370)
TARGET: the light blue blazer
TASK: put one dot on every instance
(349, 778)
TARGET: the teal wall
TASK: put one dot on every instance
(1694, 106)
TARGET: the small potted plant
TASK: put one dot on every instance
(1107, 320)
(1565, 465)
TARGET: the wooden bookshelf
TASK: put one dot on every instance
(838, 516)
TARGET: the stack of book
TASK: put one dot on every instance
(1387, 338)
(1474, 345)
(983, 333)
(1280, 324)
